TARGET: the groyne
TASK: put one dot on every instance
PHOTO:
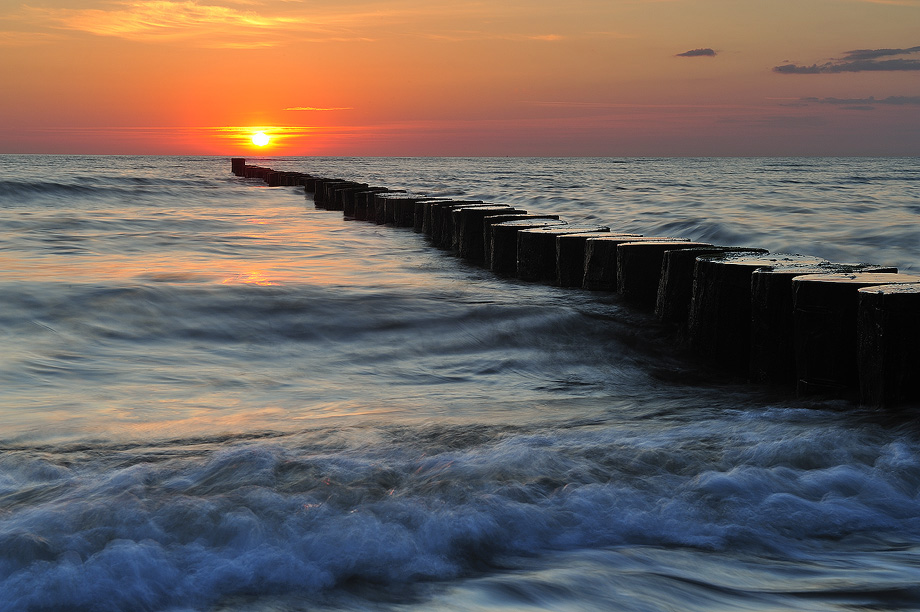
(819, 328)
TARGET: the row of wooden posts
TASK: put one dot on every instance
(849, 331)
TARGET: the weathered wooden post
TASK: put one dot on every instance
(536, 250)
(440, 220)
(356, 202)
(825, 329)
(338, 194)
(772, 324)
(403, 211)
(309, 185)
(639, 266)
(888, 353)
(676, 288)
(570, 257)
(503, 246)
(489, 221)
(319, 190)
(719, 327)
(469, 223)
(432, 224)
(390, 208)
(601, 259)
(335, 193)
(450, 220)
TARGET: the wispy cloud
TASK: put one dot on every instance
(894, 2)
(255, 23)
(316, 108)
(892, 100)
(473, 35)
(870, 103)
(25, 39)
(697, 53)
(614, 105)
(859, 60)
(869, 54)
(166, 20)
(205, 25)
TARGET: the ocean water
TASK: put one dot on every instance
(215, 397)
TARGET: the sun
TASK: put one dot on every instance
(260, 139)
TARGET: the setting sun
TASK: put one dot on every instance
(260, 139)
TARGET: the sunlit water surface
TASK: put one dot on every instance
(217, 397)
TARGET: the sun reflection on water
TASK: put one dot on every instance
(251, 278)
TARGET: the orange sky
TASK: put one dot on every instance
(430, 77)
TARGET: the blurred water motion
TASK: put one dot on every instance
(216, 397)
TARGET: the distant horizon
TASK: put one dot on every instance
(307, 156)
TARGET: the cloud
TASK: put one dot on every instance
(697, 53)
(25, 39)
(791, 122)
(204, 25)
(859, 60)
(869, 102)
(315, 108)
(895, 65)
(869, 54)
(164, 20)
(257, 23)
(894, 2)
(859, 104)
(474, 35)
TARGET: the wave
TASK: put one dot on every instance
(86, 189)
(110, 528)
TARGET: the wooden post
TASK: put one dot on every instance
(335, 193)
(888, 354)
(469, 223)
(450, 228)
(601, 259)
(492, 220)
(570, 257)
(772, 322)
(676, 288)
(356, 202)
(825, 318)
(639, 267)
(536, 250)
(503, 246)
(719, 326)
(387, 207)
(439, 220)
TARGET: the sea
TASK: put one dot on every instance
(216, 397)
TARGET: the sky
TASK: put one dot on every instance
(436, 77)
